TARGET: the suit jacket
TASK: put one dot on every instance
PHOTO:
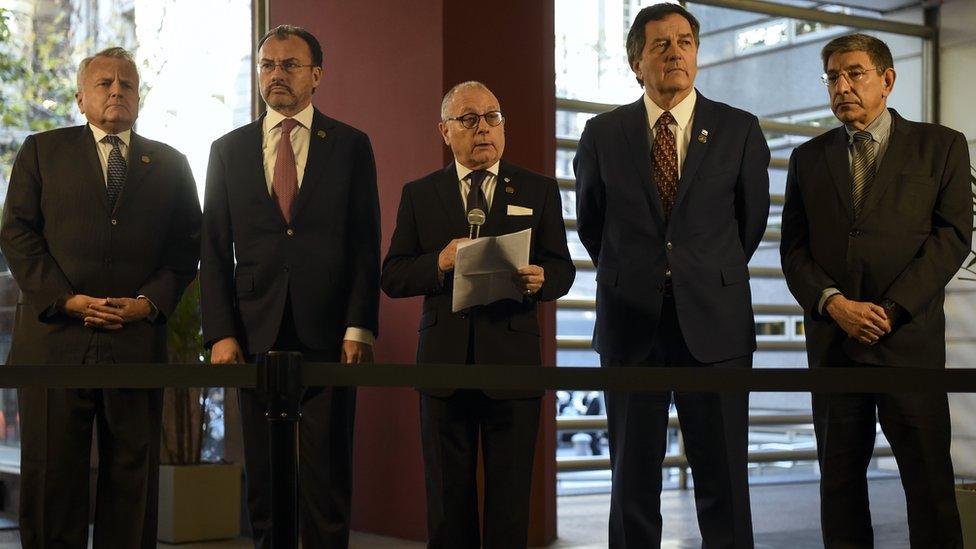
(913, 234)
(431, 214)
(61, 238)
(326, 260)
(716, 224)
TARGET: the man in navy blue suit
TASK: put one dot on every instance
(672, 201)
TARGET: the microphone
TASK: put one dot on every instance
(476, 218)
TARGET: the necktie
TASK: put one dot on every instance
(476, 195)
(862, 169)
(285, 181)
(116, 170)
(665, 162)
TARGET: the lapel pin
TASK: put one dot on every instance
(507, 180)
(510, 190)
(145, 159)
(320, 133)
(703, 136)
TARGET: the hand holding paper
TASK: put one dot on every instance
(483, 269)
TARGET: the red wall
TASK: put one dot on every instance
(387, 65)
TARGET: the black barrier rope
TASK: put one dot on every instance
(434, 376)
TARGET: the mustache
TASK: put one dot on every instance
(286, 87)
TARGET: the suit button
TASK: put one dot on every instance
(290, 232)
(108, 262)
(855, 232)
(660, 287)
(115, 222)
(669, 246)
(463, 314)
(287, 268)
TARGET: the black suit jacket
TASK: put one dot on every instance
(717, 222)
(913, 234)
(60, 238)
(326, 259)
(432, 214)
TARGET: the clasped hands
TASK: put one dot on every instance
(864, 321)
(107, 313)
(528, 279)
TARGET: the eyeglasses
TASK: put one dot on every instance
(471, 120)
(853, 75)
(290, 67)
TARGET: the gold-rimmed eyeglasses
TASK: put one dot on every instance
(852, 75)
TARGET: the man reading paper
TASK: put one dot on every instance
(431, 222)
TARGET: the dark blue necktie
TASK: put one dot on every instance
(476, 196)
(116, 170)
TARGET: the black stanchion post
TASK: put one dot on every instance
(280, 381)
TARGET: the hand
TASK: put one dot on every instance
(354, 352)
(529, 279)
(445, 261)
(865, 322)
(81, 306)
(226, 351)
(117, 311)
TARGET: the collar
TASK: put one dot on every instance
(879, 128)
(100, 134)
(463, 171)
(681, 112)
(304, 118)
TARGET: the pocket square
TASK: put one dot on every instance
(518, 210)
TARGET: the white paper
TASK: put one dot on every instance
(483, 269)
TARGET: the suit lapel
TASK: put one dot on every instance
(254, 175)
(450, 197)
(95, 175)
(497, 222)
(634, 125)
(703, 120)
(894, 158)
(320, 145)
(839, 167)
(138, 165)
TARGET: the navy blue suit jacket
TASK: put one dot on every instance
(326, 260)
(717, 222)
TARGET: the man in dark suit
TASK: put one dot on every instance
(431, 222)
(101, 231)
(878, 219)
(290, 262)
(672, 199)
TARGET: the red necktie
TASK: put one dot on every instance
(285, 182)
(665, 162)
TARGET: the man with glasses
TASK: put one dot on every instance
(672, 200)
(101, 228)
(878, 219)
(290, 262)
(431, 222)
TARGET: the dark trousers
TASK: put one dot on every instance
(917, 426)
(715, 427)
(325, 435)
(56, 435)
(450, 428)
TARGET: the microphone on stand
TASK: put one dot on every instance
(476, 218)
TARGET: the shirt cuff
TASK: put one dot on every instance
(154, 312)
(823, 299)
(361, 335)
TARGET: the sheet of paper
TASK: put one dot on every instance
(483, 269)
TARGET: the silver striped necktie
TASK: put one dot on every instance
(116, 170)
(862, 169)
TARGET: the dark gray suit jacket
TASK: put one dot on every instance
(913, 234)
(60, 238)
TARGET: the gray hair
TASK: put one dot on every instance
(114, 52)
(876, 49)
(448, 100)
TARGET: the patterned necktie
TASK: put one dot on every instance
(862, 169)
(285, 181)
(665, 162)
(476, 195)
(116, 170)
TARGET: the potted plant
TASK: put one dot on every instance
(199, 495)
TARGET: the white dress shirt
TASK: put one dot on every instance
(488, 185)
(104, 147)
(300, 137)
(684, 115)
